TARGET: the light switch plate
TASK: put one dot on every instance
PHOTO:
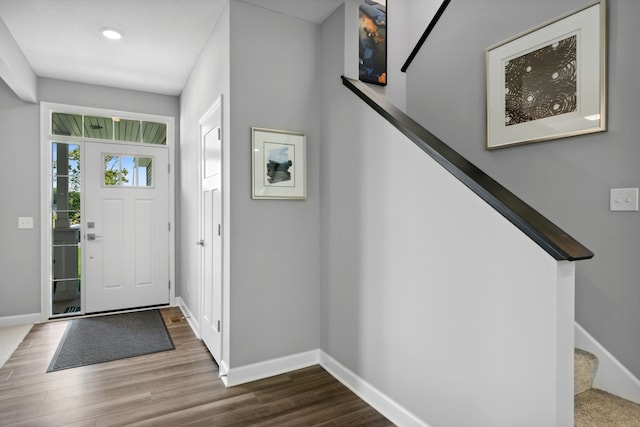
(623, 199)
(25, 222)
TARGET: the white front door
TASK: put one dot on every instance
(211, 229)
(126, 226)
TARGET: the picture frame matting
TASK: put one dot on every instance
(548, 82)
(278, 164)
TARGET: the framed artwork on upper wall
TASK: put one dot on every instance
(373, 41)
(278, 164)
(549, 82)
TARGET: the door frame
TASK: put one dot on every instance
(46, 109)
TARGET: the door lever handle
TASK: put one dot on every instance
(92, 236)
(200, 242)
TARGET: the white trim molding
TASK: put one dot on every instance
(611, 375)
(23, 319)
(193, 322)
(270, 368)
(396, 413)
(374, 397)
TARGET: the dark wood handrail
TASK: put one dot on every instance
(546, 234)
(424, 36)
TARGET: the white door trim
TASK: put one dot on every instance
(46, 108)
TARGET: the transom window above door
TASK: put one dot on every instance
(109, 128)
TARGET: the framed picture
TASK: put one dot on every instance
(549, 82)
(372, 20)
(279, 164)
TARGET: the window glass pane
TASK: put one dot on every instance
(65, 181)
(144, 172)
(66, 262)
(98, 127)
(154, 133)
(66, 296)
(65, 159)
(65, 220)
(66, 124)
(126, 130)
(128, 171)
(111, 169)
(109, 128)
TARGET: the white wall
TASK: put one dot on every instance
(15, 70)
(208, 80)
(567, 180)
(428, 294)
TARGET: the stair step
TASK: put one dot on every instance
(585, 367)
(597, 408)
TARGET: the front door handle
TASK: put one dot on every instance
(92, 236)
(200, 242)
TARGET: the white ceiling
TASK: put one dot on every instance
(162, 38)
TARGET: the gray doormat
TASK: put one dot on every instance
(117, 336)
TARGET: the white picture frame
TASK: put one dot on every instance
(548, 82)
(278, 164)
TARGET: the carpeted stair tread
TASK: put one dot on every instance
(585, 365)
(597, 408)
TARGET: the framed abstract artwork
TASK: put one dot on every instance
(278, 164)
(372, 18)
(549, 82)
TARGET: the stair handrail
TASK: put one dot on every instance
(424, 36)
(557, 243)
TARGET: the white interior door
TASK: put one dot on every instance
(126, 260)
(211, 228)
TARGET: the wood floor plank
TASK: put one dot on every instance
(179, 387)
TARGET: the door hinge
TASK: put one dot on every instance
(219, 134)
(169, 168)
(219, 230)
(169, 284)
(169, 226)
(218, 326)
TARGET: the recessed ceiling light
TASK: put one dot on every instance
(111, 34)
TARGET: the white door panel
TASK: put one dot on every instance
(211, 227)
(127, 262)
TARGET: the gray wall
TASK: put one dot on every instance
(567, 180)
(20, 137)
(86, 95)
(275, 249)
(20, 177)
(264, 65)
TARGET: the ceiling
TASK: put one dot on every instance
(62, 39)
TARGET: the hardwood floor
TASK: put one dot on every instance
(172, 388)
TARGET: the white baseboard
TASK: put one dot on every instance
(269, 368)
(611, 375)
(23, 319)
(193, 322)
(374, 397)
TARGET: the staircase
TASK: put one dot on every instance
(597, 408)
